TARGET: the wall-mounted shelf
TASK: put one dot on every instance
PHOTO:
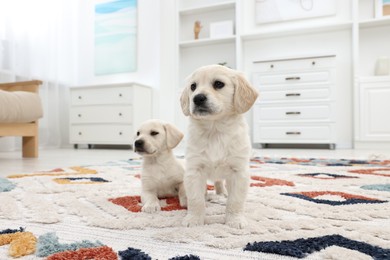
(296, 31)
(375, 79)
(384, 21)
(208, 8)
(204, 42)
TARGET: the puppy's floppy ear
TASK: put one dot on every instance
(244, 94)
(174, 135)
(185, 102)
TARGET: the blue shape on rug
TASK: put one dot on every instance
(48, 244)
(6, 185)
(11, 231)
(301, 248)
(186, 257)
(133, 254)
(379, 187)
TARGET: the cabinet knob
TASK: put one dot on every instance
(120, 114)
(80, 97)
(120, 94)
(272, 66)
(293, 113)
(293, 94)
(293, 78)
(79, 115)
(313, 63)
(80, 133)
(293, 133)
(120, 133)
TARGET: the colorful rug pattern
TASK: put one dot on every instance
(297, 208)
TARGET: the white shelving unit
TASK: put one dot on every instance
(371, 92)
(353, 35)
(193, 53)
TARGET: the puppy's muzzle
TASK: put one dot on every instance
(201, 106)
(139, 145)
(200, 100)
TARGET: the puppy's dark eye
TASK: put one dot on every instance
(153, 133)
(137, 133)
(218, 84)
(193, 86)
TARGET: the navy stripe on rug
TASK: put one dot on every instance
(133, 254)
(11, 231)
(186, 257)
(301, 248)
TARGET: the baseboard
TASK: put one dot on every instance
(291, 146)
(372, 145)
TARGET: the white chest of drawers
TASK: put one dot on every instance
(108, 114)
(296, 103)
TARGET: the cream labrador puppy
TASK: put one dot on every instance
(218, 146)
(162, 174)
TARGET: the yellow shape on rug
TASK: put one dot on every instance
(77, 171)
(21, 243)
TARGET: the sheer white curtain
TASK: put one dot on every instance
(39, 40)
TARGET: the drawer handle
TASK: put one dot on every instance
(293, 113)
(293, 95)
(293, 78)
(293, 133)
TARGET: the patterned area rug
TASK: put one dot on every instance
(296, 208)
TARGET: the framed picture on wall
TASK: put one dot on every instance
(271, 11)
(115, 37)
(382, 8)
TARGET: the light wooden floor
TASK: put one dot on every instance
(12, 162)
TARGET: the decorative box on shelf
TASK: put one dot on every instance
(296, 104)
(108, 114)
(221, 29)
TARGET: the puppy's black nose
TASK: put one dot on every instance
(139, 143)
(200, 99)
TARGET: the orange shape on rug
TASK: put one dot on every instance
(314, 194)
(21, 243)
(103, 252)
(372, 171)
(264, 182)
(132, 203)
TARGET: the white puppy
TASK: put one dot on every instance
(218, 147)
(162, 174)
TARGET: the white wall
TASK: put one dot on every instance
(168, 65)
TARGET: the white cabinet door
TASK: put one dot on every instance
(374, 111)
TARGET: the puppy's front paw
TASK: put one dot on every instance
(236, 221)
(193, 220)
(151, 207)
(183, 201)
